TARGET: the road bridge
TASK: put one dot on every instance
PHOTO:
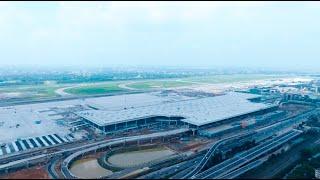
(121, 141)
(245, 157)
(211, 152)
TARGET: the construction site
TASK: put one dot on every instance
(160, 134)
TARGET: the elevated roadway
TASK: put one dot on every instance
(40, 156)
(244, 169)
(211, 152)
(66, 163)
(243, 158)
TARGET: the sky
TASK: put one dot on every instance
(196, 34)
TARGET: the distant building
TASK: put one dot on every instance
(317, 89)
(317, 173)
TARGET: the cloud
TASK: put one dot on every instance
(115, 14)
(131, 31)
(123, 12)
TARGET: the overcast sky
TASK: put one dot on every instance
(247, 34)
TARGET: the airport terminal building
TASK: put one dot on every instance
(194, 113)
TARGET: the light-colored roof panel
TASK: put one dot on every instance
(196, 111)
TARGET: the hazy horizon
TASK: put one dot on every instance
(271, 35)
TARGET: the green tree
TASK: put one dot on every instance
(306, 153)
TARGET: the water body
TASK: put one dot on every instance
(89, 168)
(135, 158)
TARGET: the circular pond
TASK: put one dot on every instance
(88, 168)
(139, 157)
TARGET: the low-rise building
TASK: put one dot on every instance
(317, 173)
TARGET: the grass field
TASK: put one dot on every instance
(48, 91)
(231, 78)
(95, 89)
(32, 91)
(158, 84)
(214, 79)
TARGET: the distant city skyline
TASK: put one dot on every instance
(275, 35)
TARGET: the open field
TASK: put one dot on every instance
(95, 89)
(34, 92)
(158, 84)
(29, 91)
(214, 79)
(231, 78)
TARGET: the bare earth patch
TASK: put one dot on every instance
(37, 172)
